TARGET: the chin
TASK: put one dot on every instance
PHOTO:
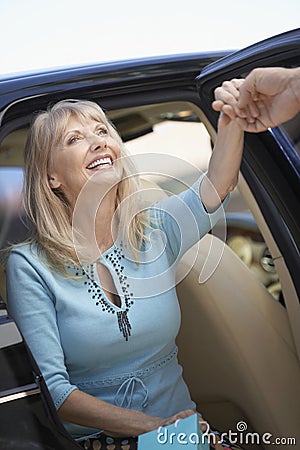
(107, 178)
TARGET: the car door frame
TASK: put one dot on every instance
(272, 171)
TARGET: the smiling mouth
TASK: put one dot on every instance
(101, 163)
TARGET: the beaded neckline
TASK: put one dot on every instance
(115, 259)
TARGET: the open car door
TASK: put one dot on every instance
(258, 349)
(271, 162)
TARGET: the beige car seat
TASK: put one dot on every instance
(236, 347)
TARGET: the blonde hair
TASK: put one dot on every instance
(48, 208)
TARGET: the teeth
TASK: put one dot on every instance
(100, 162)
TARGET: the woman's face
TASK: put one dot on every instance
(87, 148)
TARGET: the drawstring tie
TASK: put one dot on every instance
(129, 386)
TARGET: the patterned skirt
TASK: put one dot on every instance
(104, 442)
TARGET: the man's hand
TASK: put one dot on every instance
(266, 98)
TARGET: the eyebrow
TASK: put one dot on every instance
(71, 131)
(79, 132)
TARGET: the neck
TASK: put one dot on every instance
(105, 223)
(94, 224)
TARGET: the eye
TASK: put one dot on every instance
(102, 131)
(73, 140)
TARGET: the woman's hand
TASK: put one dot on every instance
(180, 415)
(203, 424)
(145, 423)
(226, 102)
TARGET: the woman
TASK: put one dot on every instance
(93, 290)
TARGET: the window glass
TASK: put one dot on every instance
(11, 228)
(291, 131)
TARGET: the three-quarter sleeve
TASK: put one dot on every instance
(32, 306)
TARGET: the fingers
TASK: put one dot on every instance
(180, 415)
(236, 102)
(217, 105)
(250, 112)
(248, 93)
(226, 98)
(228, 93)
(245, 98)
(255, 126)
(253, 109)
(229, 111)
(250, 97)
(203, 424)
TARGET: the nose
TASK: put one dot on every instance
(98, 143)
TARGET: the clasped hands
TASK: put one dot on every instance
(265, 99)
(249, 111)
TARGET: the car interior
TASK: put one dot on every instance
(237, 343)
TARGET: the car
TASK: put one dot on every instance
(239, 342)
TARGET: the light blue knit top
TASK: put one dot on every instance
(124, 355)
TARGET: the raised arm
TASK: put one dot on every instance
(224, 165)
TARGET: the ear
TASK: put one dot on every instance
(54, 182)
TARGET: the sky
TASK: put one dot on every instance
(38, 34)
